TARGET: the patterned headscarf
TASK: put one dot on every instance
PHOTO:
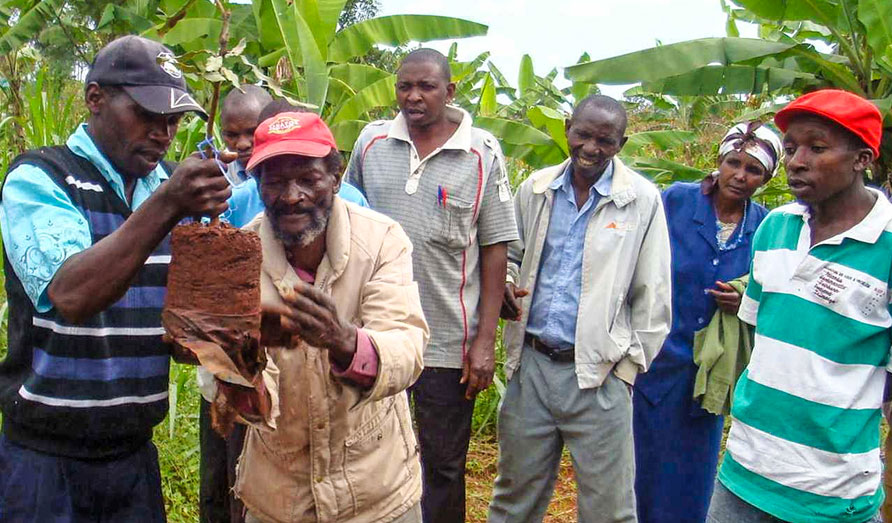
(757, 141)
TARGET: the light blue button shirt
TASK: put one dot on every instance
(42, 227)
(245, 202)
(556, 297)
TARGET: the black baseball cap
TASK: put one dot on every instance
(147, 71)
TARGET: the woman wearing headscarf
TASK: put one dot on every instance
(711, 224)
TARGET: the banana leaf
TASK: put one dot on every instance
(510, 131)
(674, 59)
(876, 15)
(820, 11)
(730, 79)
(298, 35)
(346, 132)
(377, 94)
(34, 17)
(397, 30)
(662, 140)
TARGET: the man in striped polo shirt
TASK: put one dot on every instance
(804, 441)
(85, 235)
(444, 182)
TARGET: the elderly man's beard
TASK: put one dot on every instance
(318, 223)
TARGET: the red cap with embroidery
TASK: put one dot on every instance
(847, 109)
(303, 134)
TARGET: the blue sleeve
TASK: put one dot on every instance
(41, 229)
(352, 194)
(673, 194)
(244, 204)
(353, 174)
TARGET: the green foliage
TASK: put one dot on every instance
(357, 11)
(54, 110)
(784, 61)
(672, 60)
(486, 407)
(178, 446)
(33, 17)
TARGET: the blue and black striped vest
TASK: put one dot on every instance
(92, 390)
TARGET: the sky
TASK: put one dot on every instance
(556, 32)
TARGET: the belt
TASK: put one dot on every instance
(554, 354)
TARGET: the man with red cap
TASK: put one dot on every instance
(804, 442)
(344, 333)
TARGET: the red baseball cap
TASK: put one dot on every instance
(303, 134)
(847, 109)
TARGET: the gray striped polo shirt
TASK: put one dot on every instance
(450, 203)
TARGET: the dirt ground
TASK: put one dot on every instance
(481, 474)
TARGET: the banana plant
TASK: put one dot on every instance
(32, 17)
(324, 59)
(783, 61)
(531, 126)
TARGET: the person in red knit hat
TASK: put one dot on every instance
(804, 442)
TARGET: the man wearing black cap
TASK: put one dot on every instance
(85, 233)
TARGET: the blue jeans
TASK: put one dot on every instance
(728, 508)
(41, 488)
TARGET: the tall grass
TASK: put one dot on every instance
(178, 446)
(486, 408)
(53, 110)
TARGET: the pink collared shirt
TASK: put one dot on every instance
(363, 370)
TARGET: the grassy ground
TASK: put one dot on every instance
(482, 463)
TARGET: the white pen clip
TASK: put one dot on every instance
(504, 192)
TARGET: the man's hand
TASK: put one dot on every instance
(198, 188)
(727, 299)
(478, 366)
(311, 314)
(511, 308)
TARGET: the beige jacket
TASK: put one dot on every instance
(624, 306)
(341, 453)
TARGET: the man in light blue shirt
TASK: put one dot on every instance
(85, 229)
(555, 306)
(42, 227)
(593, 259)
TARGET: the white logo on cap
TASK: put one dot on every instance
(169, 64)
(180, 99)
(283, 125)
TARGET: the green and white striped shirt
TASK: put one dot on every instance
(804, 443)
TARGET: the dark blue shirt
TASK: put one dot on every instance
(697, 263)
